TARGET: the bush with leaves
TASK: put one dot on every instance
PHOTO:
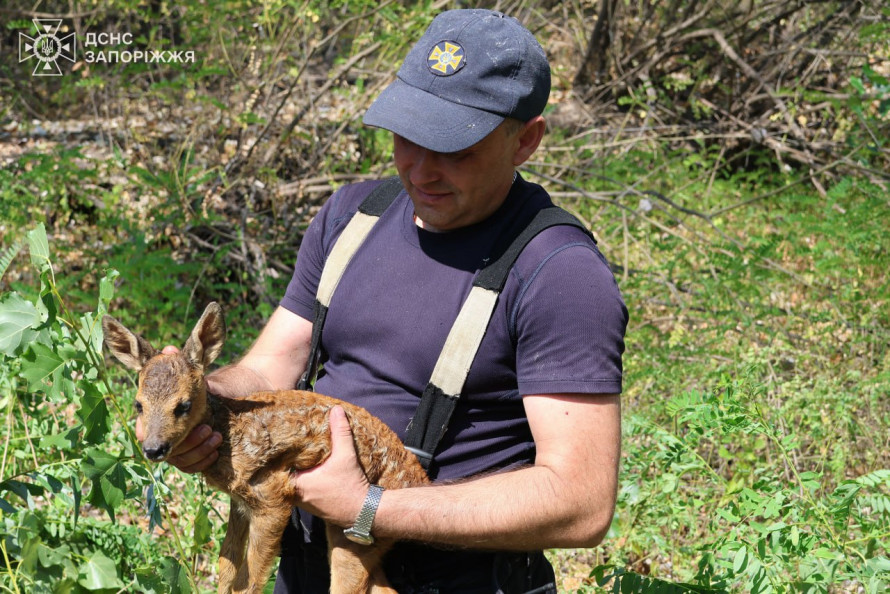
(69, 456)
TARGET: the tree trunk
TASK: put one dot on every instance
(594, 65)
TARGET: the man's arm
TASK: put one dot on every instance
(274, 362)
(566, 499)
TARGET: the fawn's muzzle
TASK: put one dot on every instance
(156, 453)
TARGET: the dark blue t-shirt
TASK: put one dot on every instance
(558, 326)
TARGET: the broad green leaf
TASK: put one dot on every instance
(176, 576)
(22, 489)
(66, 440)
(50, 556)
(98, 573)
(29, 554)
(203, 528)
(109, 480)
(6, 507)
(42, 364)
(18, 318)
(39, 247)
(825, 553)
(670, 482)
(740, 562)
(106, 289)
(91, 330)
(878, 564)
(93, 413)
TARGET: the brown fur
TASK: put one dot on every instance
(266, 436)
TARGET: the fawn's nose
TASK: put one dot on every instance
(156, 453)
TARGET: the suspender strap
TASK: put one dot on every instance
(350, 240)
(441, 394)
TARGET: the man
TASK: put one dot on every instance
(529, 460)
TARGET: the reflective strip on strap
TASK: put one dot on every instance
(463, 341)
(347, 244)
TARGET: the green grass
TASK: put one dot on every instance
(757, 382)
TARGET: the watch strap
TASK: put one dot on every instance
(365, 518)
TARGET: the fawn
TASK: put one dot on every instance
(266, 436)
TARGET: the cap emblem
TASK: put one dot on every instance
(446, 58)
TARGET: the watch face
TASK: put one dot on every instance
(362, 539)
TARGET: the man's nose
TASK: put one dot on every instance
(425, 166)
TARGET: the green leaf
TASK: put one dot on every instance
(154, 509)
(856, 83)
(53, 556)
(39, 248)
(825, 553)
(18, 318)
(9, 254)
(22, 489)
(203, 529)
(91, 331)
(811, 480)
(106, 289)
(878, 565)
(6, 507)
(740, 562)
(176, 576)
(98, 573)
(109, 480)
(66, 440)
(42, 364)
(93, 413)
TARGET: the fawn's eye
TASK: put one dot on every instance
(138, 406)
(182, 408)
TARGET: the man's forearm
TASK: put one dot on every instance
(527, 509)
(236, 381)
(566, 499)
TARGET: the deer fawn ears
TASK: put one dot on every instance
(131, 350)
(201, 349)
(207, 338)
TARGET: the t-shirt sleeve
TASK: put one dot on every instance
(569, 325)
(319, 239)
(299, 297)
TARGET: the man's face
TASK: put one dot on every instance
(454, 190)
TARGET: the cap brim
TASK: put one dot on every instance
(429, 121)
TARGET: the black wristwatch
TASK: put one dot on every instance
(361, 531)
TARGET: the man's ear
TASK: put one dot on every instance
(530, 136)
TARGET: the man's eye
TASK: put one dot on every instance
(182, 408)
(458, 156)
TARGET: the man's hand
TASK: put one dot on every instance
(335, 489)
(198, 450)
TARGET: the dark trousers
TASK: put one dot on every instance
(414, 569)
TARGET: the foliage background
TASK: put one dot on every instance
(731, 158)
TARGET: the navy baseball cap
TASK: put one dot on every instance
(470, 70)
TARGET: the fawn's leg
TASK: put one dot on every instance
(355, 568)
(264, 541)
(231, 554)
